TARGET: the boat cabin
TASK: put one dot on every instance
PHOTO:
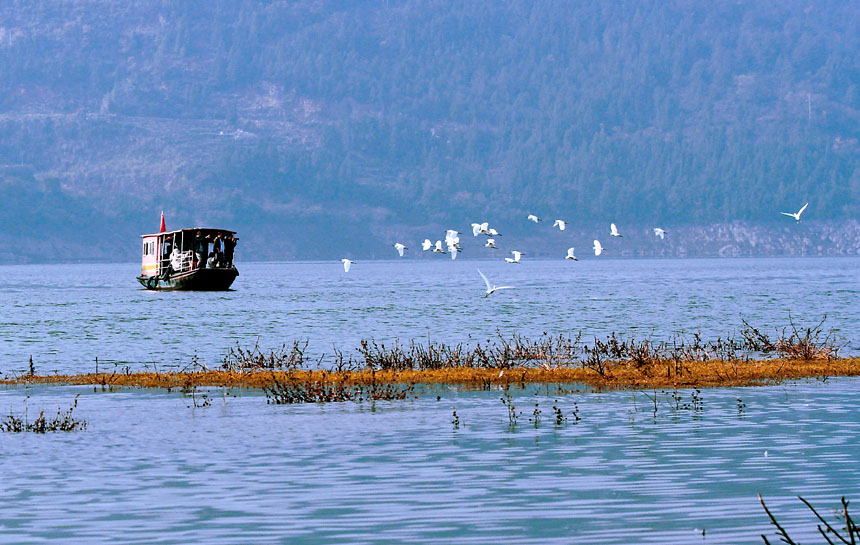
(190, 259)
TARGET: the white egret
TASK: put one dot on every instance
(400, 247)
(561, 224)
(480, 228)
(613, 230)
(516, 258)
(570, 255)
(491, 243)
(426, 245)
(796, 216)
(493, 233)
(438, 249)
(453, 246)
(533, 218)
(598, 248)
(346, 264)
(491, 289)
(660, 232)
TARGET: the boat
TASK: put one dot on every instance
(196, 259)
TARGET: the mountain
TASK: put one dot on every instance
(320, 129)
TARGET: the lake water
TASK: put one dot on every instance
(66, 316)
(152, 468)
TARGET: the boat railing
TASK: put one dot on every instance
(184, 262)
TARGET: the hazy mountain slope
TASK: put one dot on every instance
(301, 122)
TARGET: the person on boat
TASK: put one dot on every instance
(176, 259)
(200, 247)
(212, 261)
(229, 245)
(217, 244)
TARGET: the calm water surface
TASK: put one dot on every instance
(151, 468)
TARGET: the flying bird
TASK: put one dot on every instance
(452, 239)
(480, 228)
(516, 258)
(491, 289)
(660, 232)
(438, 249)
(347, 264)
(400, 247)
(533, 218)
(493, 233)
(797, 215)
(570, 255)
(613, 230)
(598, 248)
(426, 245)
(561, 224)
(491, 243)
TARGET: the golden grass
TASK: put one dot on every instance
(617, 375)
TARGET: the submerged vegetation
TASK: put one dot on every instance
(748, 358)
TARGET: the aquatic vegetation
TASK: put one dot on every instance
(281, 392)
(852, 531)
(63, 421)
(809, 343)
(254, 359)
(614, 361)
(513, 415)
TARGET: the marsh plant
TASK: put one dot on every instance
(793, 342)
(508, 402)
(63, 421)
(671, 357)
(284, 358)
(845, 530)
(315, 391)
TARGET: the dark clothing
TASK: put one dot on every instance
(229, 245)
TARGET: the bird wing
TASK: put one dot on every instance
(789, 214)
(570, 252)
(346, 264)
(613, 229)
(799, 212)
(487, 282)
(476, 228)
(497, 288)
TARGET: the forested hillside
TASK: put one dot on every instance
(323, 129)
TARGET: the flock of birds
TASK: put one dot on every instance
(451, 244)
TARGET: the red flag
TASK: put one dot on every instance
(163, 229)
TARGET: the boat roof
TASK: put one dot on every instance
(203, 230)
